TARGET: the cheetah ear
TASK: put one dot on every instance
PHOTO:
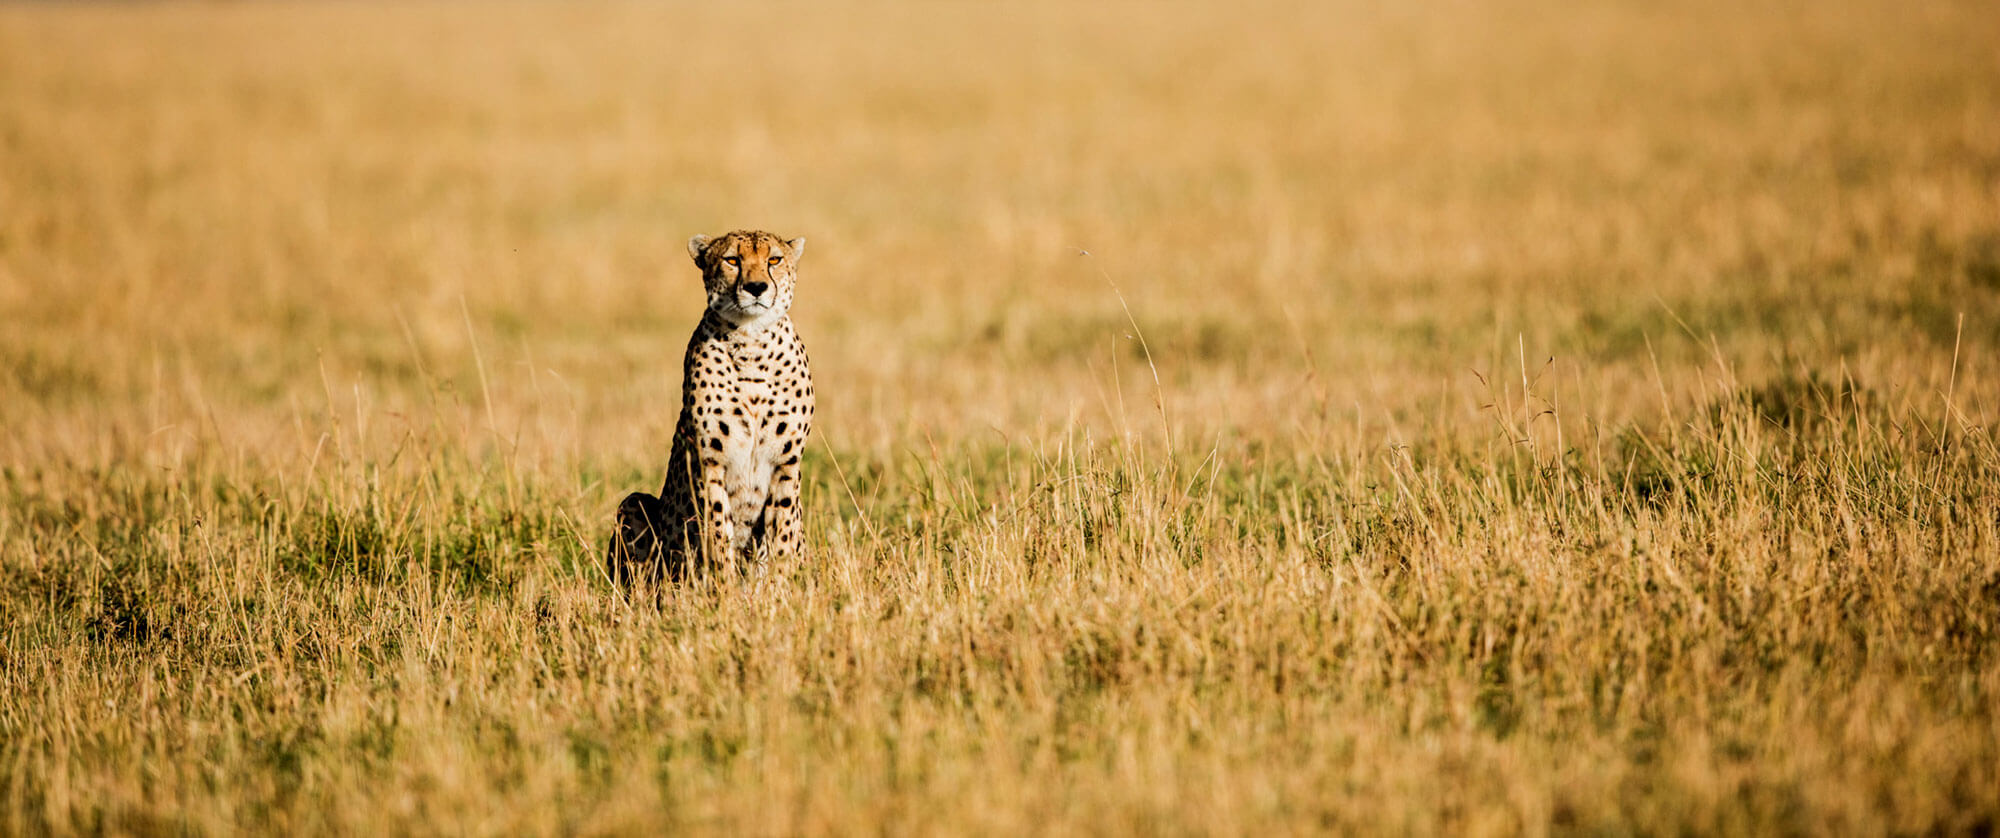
(797, 247)
(696, 245)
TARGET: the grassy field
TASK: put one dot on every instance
(1466, 418)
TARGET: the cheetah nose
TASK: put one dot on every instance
(756, 289)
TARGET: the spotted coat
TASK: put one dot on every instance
(732, 488)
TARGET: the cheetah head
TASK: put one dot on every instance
(749, 275)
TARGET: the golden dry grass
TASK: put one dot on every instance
(1549, 418)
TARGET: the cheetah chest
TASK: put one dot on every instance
(760, 432)
(746, 461)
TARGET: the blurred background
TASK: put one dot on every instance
(234, 214)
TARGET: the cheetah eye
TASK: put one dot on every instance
(733, 261)
(776, 259)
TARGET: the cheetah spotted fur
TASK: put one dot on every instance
(732, 489)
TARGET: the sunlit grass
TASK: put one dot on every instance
(1546, 419)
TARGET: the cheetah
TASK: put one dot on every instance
(732, 489)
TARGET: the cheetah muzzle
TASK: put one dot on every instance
(732, 488)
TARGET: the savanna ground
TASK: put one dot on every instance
(1549, 417)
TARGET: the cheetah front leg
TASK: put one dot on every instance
(784, 519)
(718, 530)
